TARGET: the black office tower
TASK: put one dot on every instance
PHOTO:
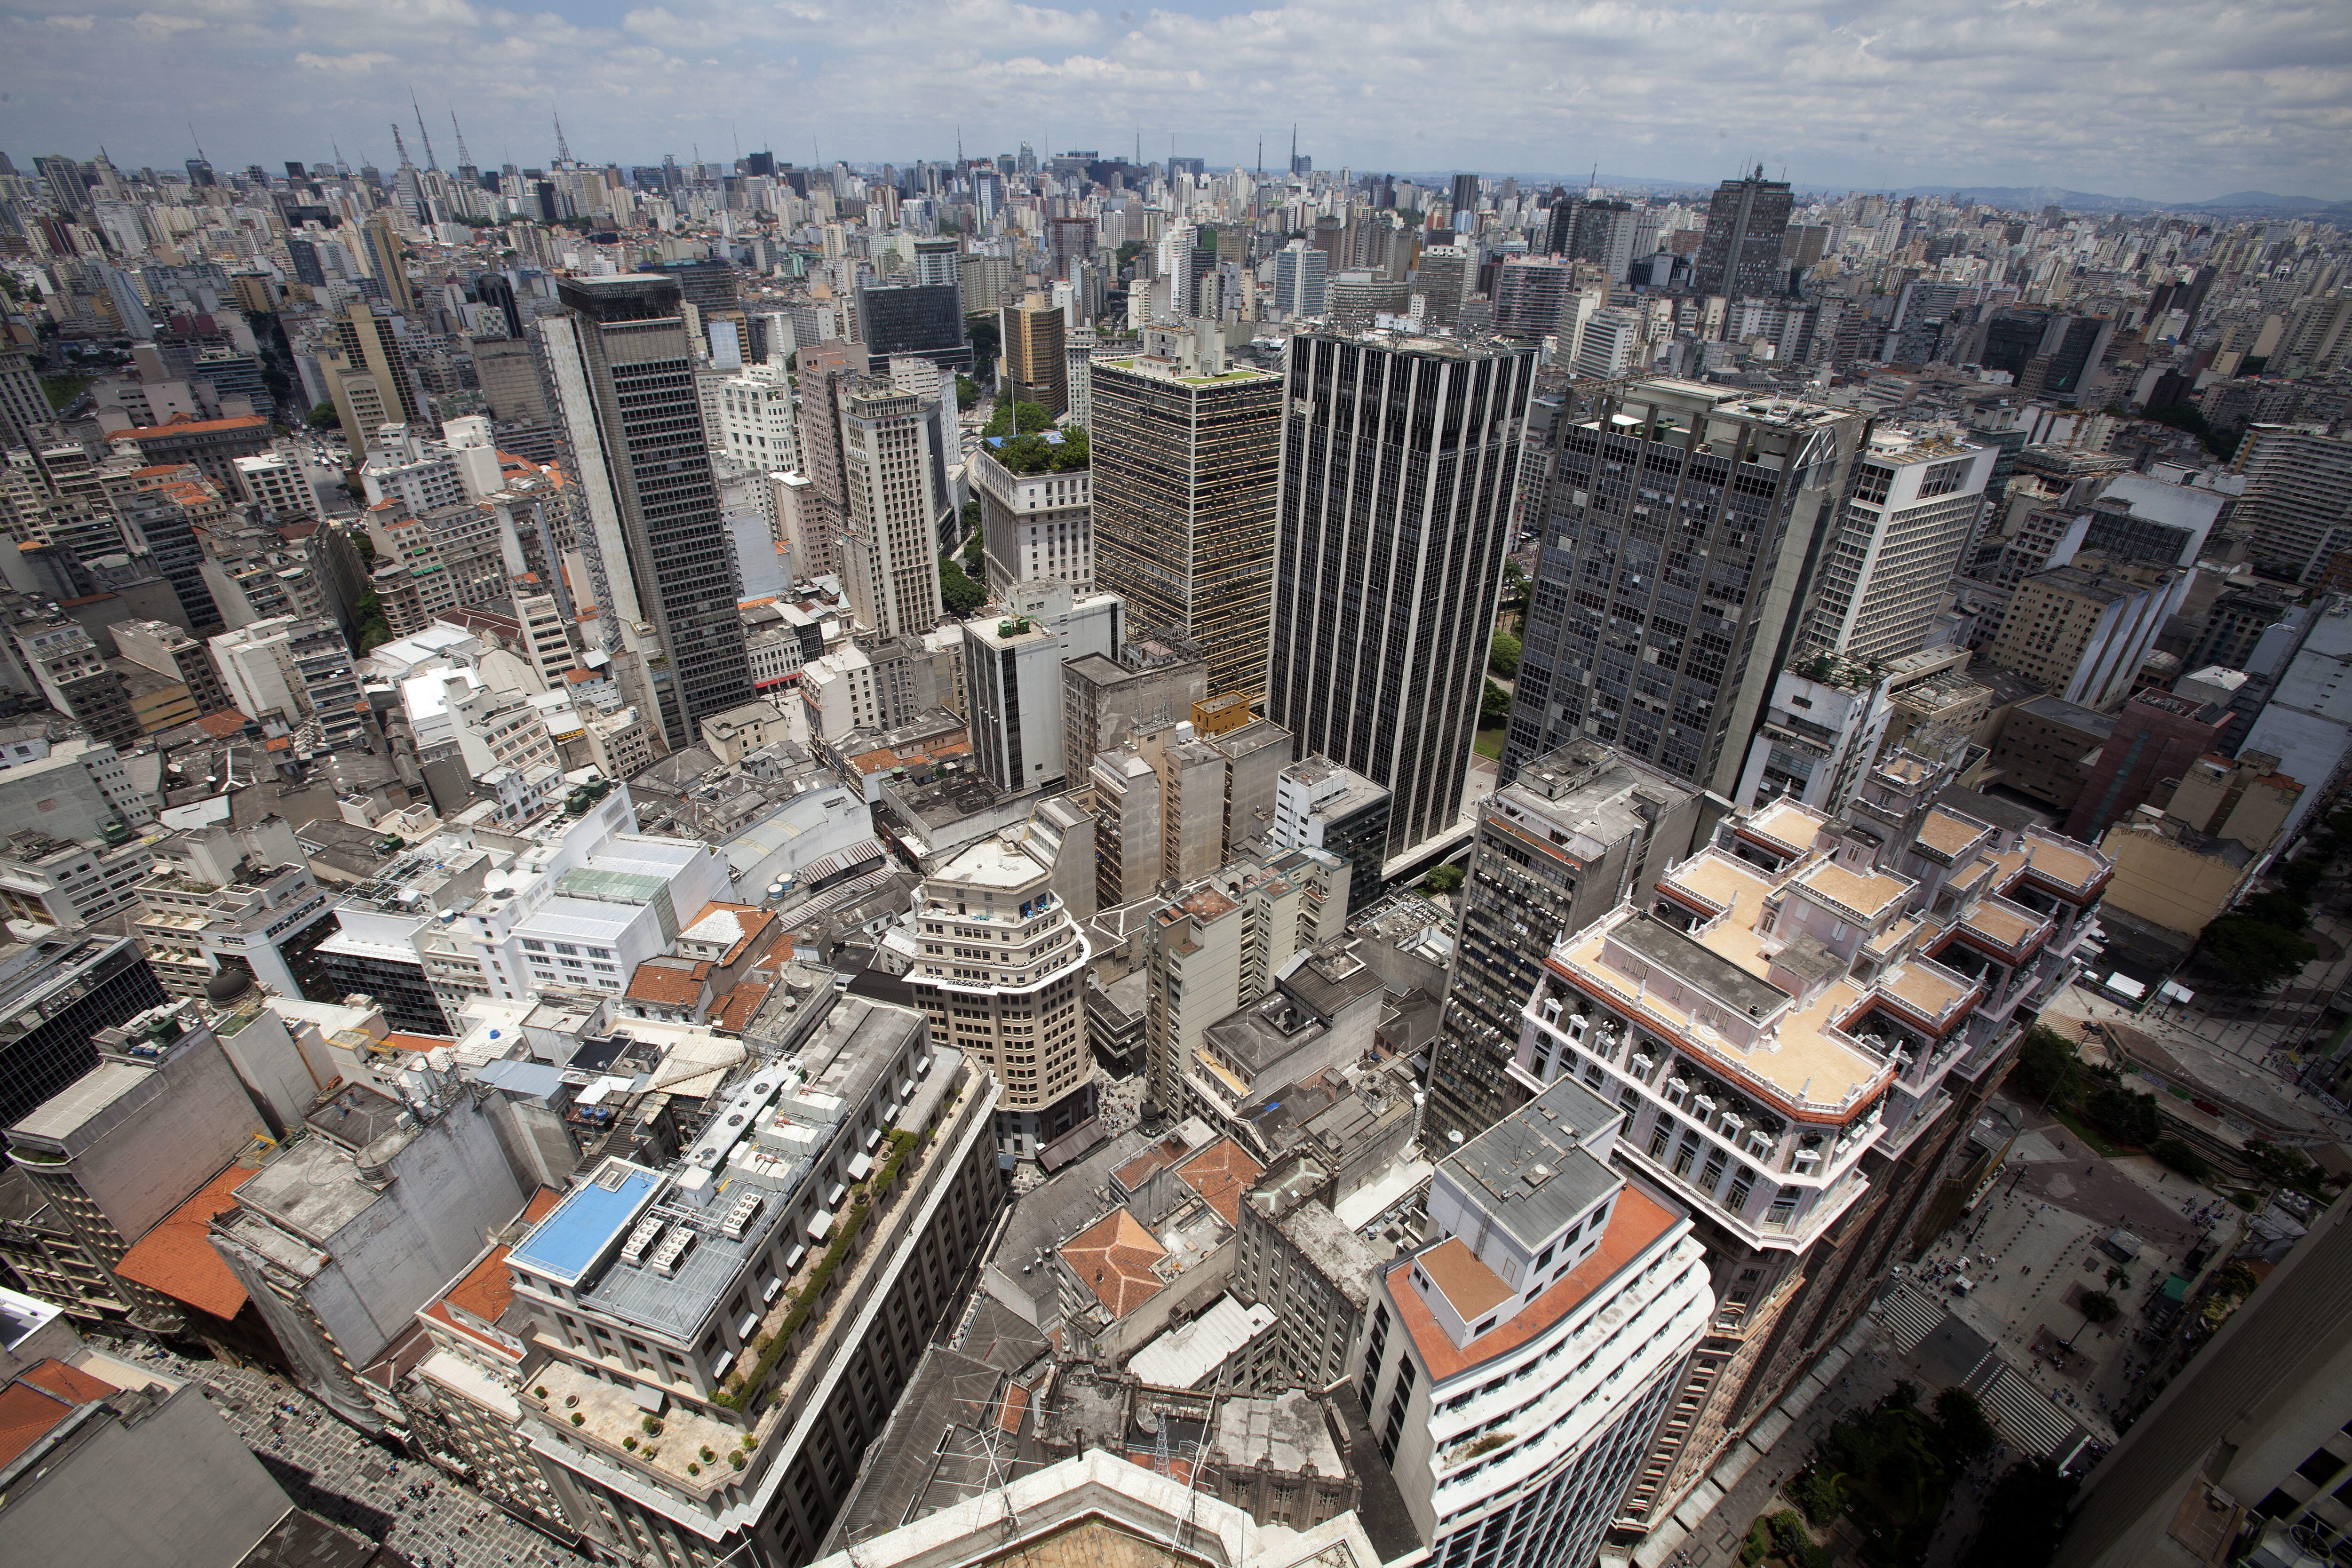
(659, 555)
(922, 320)
(1747, 223)
(1400, 461)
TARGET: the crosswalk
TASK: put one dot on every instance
(1909, 1318)
(2025, 1414)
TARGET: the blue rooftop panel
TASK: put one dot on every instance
(568, 1242)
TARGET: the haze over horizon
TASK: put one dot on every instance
(2179, 104)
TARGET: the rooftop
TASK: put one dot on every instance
(1530, 1171)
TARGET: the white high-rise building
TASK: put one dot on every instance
(1299, 274)
(1513, 1370)
(1013, 673)
(1606, 347)
(889, 544)
(1909, 515)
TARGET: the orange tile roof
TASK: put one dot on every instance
(668, 984)
(1221, 1174)
(1016, 1400)
(183, 425)
(486, 1289)
(543, 1203)
(1636, 1224)
(577, 676)
(742, 1004)
(177, 1258)
(1113, 1257)
(40, 1397)
(1167, 1152)
(400, 1042)
(223, 724)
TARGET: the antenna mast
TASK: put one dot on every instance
(562, 148)
(430, 161)
(399, 147)
(464, 161)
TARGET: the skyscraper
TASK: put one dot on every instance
(380, 236)
(624, 371)
(1746, 224)
(1401, 458)
(825, 371)
(1680, 536)
(1187, 459)
(1514, 1372)
(1034, 369)
(1908, 514)
(1299, 275)
(889, 548)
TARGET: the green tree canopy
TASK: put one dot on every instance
(958, 594)
(967, 392)
(323, 417)
(1961, 1421)
(2255, 953)
(1444, 880)
(1495, 706)
(2132, 1118)
(1503, 656)
(2181, 1157)
(2098, 1307)
(2046, 1066)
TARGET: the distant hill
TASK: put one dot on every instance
(2032, 198)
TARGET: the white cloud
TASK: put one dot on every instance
(2183, 100)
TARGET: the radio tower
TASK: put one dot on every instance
(399, 147)
(426, 136)
(562, 148)
(464, 161)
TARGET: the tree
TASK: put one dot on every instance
(967, 392)
(323, 417)
(2023, 1518)
(1961, 1421)
(2255, 953)
(1503, 656)
(2098, 1307)
(2129, 1117)
(1496, 705)
(959, 594)
(987, 341)
(2118, 1276)
(2046, 1066)
(1819, 1490)
(2282, 909)
(1444, 880)
(2181, 1157)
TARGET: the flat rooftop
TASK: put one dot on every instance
(1532, 1168)
(566, 1245)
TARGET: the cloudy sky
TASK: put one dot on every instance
(2182, 100)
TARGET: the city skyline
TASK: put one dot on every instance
(2207, 106)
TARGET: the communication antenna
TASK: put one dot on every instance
(399, 147)
(426, 135)
(464, 161)
(200, 146)
(562, 148)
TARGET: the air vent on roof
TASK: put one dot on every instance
(673, 1251)
(611, 1177)
(747, 1204)
(632, 1251)
(1538, 1175)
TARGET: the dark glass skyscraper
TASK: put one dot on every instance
(661, 555)
(1682, 529)
(1747, 223)
(1400, 457)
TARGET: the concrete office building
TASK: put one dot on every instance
(863, 1176)
(1174, 803)
(1187, 464)
(1747, 224)
(1013, 679)
(1822, 1007)
(660, 560)
(1400, 467)
(1750, 482)
(1017, 1010)
(1557, 849)
(2298, 499)
(1444, 274)
(2082, 632)
(1036, 365)
(1899, 537)
(825, 369)
(55, 994)
(1034, 526)
(1515, 1368)
(342, 1236)
(123, 1145)
(1298, 281)
(920, 319)
(1610, 344)
(1319, 805)
(890, 547)
(2307, 722)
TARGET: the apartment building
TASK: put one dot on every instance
(1514, 1367)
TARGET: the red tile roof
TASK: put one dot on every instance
(221, 725)
(177, 1258)
(40, 1397)
(400, 1042)
(736, 1013)
(1221, 1174)
(183, 425)
(1636, 1223)
(486, 1289)
(669, 986)
(1113, 1257)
